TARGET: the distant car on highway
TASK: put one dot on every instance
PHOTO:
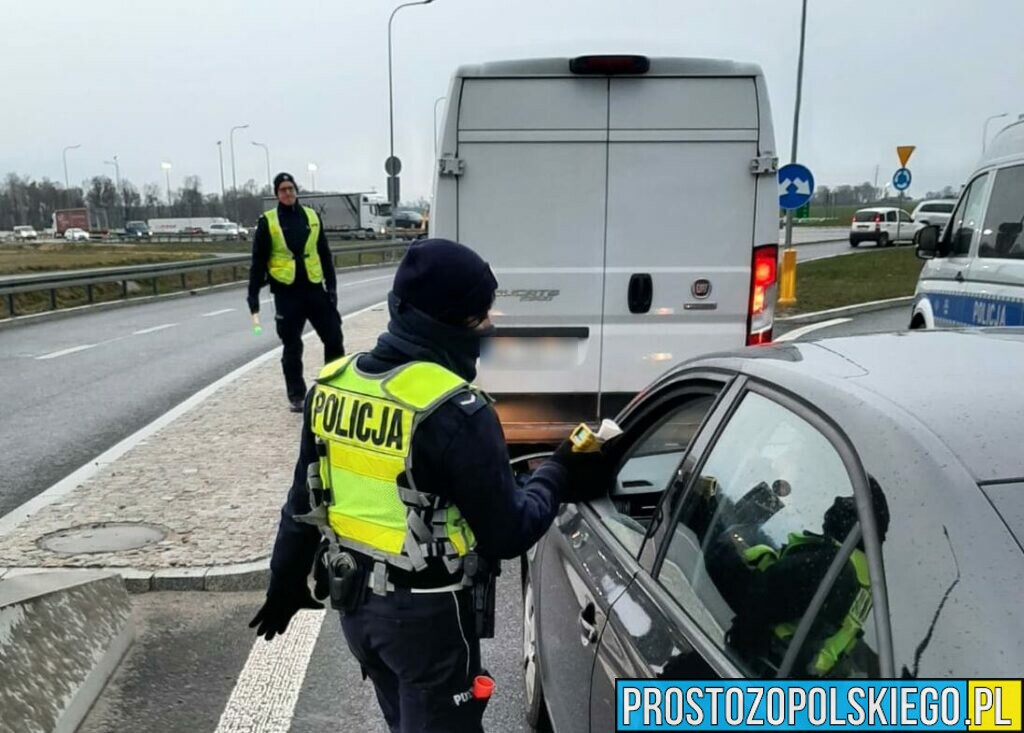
(137, 230)
(883, 225)
(25, 233)
(74, 234)
(806, 510)
(223, 230)
(935, 212)
(974, 275)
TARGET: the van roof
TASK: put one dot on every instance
(660, 66)
(1006, 146)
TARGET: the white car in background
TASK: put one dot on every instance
(24, 233)
(224, 230)
(74, 234)
(883, 225)
(936, 211)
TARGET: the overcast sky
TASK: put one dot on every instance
(163, 80)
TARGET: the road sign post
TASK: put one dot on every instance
(796, 186)
(901, 182)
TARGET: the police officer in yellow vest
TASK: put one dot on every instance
(290, 251)
(404, 472)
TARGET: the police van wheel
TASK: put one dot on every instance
(536, 712)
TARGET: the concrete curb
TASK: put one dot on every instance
(215, 578)
(848, 310)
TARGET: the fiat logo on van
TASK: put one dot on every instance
(701, 288)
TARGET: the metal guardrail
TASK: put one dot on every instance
(89, 279)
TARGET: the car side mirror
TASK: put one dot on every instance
(926, 240)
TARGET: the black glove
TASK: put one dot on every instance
(321, 576)
(273, 618)
(590, 474)
(332, 296)
(254, 304)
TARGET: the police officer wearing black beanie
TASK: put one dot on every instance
(290, 252)
(418, 642)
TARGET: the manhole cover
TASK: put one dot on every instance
(102, 537)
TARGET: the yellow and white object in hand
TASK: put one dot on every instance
(257, 329)
(585, 440)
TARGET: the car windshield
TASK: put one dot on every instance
(865, 216)
(938, 208)
(1008, 500)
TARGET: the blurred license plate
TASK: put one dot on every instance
(531, 353)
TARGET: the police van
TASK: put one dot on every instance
(974, 274)
(629, 208)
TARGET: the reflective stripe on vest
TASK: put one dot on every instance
(282, 260)
(761, 557)
(367, 423)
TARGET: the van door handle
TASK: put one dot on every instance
(641, 293)
(588, 624)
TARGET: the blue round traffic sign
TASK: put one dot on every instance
(901, 179)
(796, 185)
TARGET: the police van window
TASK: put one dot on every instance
(1001, 235)
(649, 469)
(758, 530)
(967, 217)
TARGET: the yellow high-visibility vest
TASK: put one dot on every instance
(282, 260)
(365, 426)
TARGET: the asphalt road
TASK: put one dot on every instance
(73, 387)
(890, 319)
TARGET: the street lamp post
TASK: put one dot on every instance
(393, 189)
(796, 112)
(984, 129)
(266, 152)
(234, 181)
(436, 102)
(167, 172)
(311, 167)
(64, 155)
(117, 183)
(220, 159)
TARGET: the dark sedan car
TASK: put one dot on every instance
(845, 508)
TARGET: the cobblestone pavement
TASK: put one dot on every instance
(213, 480)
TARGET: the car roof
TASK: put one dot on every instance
(660, 66)
(962, 385)
(937, 201)
(879, 208)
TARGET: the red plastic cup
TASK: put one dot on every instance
(483, 686)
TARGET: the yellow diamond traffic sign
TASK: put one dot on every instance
(904, 152)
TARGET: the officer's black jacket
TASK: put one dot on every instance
(296, 229)
(458, 452)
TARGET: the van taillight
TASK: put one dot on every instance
(609, 65)
(763, 278)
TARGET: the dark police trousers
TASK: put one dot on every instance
(421, 652)
(294, 306)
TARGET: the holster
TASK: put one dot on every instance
(347, 582)
(483, 576)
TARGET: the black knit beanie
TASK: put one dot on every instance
(282, 178)
(446, 280)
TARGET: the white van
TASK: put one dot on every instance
(629, 208)
(975, 270)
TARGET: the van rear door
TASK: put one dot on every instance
(531, 200)
(680, 231)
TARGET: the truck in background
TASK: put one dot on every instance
(358, 215)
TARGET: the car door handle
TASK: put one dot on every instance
(959, 277)
(588, 624)
(641, 293)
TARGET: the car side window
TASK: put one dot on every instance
(890, 216)
(1004, 220)
(904, 216)
(967, 217)
(760, 526)
(649, 469)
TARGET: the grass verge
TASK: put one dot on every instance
(852, 279)
(17, 260)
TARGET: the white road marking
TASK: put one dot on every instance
(268, 687)
(153, 329)
(804, 330)
(222, 311)
(73, 480)
(65, 352)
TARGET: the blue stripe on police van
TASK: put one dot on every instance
(969, 310)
